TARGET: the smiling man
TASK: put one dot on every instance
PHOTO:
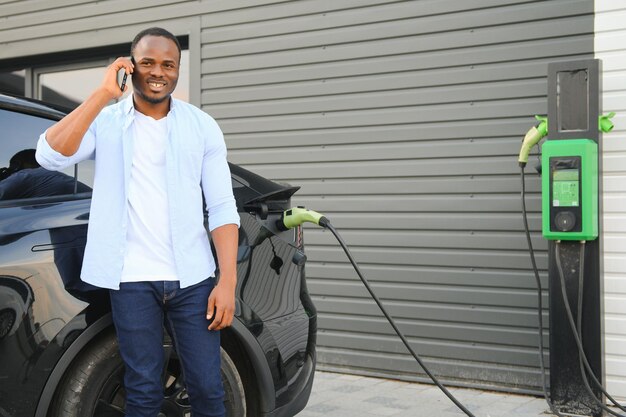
(155, 158)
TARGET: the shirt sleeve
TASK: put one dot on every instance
(56, 161)
(216, 181)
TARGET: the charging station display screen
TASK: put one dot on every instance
(565, 188)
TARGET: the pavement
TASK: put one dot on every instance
(341, 395)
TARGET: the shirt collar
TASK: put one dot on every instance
(128, 106)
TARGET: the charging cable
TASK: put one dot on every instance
(576, 328)
(298, 215)
(539, 295)
(295, 217)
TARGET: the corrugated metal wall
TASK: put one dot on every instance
(610, 47)
(401, 121)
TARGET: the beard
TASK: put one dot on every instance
(144, 93)
(152, 99)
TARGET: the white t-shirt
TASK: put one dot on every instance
(149, 253)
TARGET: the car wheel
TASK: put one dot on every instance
(7, 320)
(93, 386)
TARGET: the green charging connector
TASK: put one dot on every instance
(297, 215)
(570, 189)
(533, 136)
(605, 124)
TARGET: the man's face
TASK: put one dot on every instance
(156, 68)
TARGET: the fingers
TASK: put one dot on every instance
(110, 82)
(125, 63)
(210, 307)
(221, 307)
(223, 314)
(217, 320)
(223, 318)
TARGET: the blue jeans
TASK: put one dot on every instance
(140, 310)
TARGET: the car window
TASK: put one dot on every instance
(20, 174)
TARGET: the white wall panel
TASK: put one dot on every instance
(610, 47)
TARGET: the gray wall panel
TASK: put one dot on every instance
(471, 352)
(429, 130)
(399, 365)
(527, 31)
(16, 8)
(374, 28)
(434, 311)
(502, 240)
(87, 24)
(382, 99)
(388, 186)
(386, 116)
(466, 258)
(503, 316)
(552, 49)
(433, 221)
(311, 15)
(393, 168)
(397, 150)
(70, 11)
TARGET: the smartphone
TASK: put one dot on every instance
(123, 85)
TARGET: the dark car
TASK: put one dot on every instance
(58, 351)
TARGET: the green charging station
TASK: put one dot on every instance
(571, 202)
(570, 189)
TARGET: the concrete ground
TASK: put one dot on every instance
(339, 395)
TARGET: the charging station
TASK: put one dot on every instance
(571, 203)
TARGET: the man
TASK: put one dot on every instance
(155, 157)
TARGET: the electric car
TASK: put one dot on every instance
(58, 351)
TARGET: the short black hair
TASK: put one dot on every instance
(22, 160)
(154, 31)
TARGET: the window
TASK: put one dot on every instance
(70, 85)
(12, 82)
(20, 175)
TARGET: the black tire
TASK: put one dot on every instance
(93, 385)
(7, 320)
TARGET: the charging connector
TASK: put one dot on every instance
(298, 215)
(532, 137)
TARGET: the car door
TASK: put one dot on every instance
(43, 227)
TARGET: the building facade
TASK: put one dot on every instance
(401, 121)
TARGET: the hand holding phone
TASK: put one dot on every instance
(123, 75)
(114, 82)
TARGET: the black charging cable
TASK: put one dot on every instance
(324, 222)
(539, 297)
(580, 332)
(577, 329)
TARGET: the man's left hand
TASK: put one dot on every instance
(221, 307)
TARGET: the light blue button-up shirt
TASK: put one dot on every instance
(195, 164)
